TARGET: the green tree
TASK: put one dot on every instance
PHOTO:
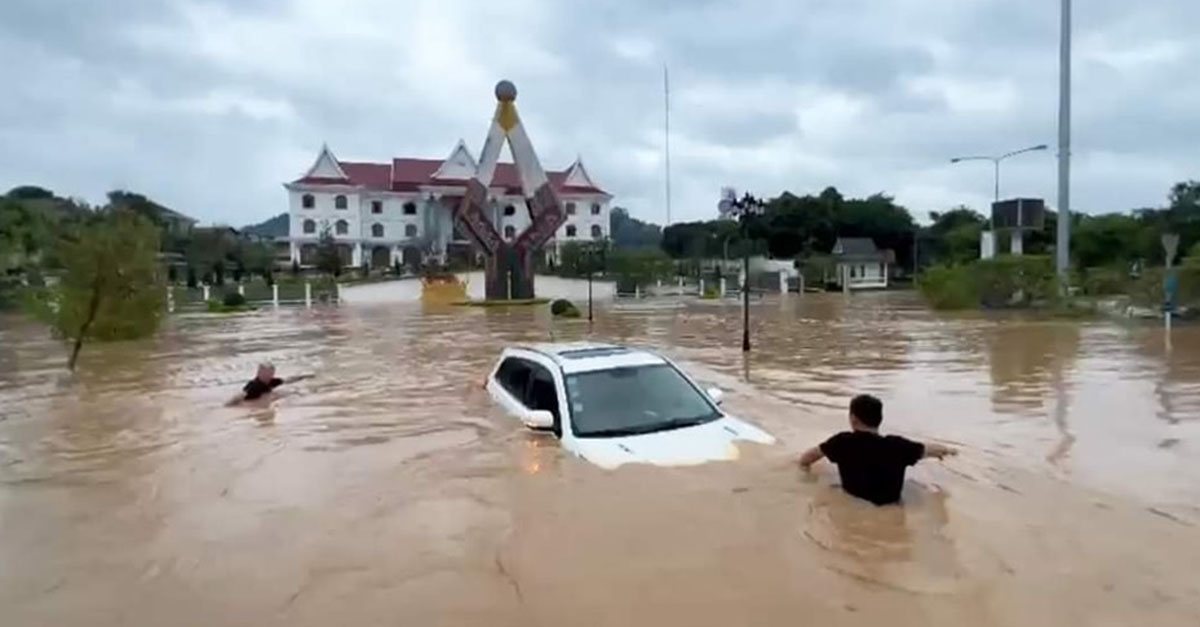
(29, 192)
(954, 236)
(1193, 254)
(110, 288)
(1106, 240)
(629, 233)
(329, 258)
(256, 257)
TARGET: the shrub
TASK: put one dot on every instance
(564, 309)
(1011, 280)
(1149, 290)
(1006, 281)
(233, 299)
(949, 287)
(1107, 281)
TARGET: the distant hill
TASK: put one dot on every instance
(273, 227)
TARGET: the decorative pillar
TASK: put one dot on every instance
(204, 290)
(275, 294)
(723, 287)
(783, 286)
(307, 294)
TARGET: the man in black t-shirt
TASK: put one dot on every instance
(871, 465)
(263, 383)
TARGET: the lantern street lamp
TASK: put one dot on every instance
(744, 209)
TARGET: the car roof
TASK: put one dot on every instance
(591, 356)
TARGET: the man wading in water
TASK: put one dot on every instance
(871, 465)
(263, 384)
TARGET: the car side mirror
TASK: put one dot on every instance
(539, 419)
(716, 395)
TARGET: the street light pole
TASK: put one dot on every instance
(996, 159)
(1063, 239)
(745, 290)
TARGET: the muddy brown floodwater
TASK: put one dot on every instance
(387, 491)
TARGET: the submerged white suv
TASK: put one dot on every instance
(613, 405)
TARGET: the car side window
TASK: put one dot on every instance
(513, 376)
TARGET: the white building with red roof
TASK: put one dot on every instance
(381, 213)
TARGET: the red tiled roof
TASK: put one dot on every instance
(370, 175)
(408, 175)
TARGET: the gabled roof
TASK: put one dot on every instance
(577, 175)
(410, 175)
(326, 167)
(459, 165)
(858, 248)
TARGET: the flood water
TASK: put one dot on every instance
(387, 490)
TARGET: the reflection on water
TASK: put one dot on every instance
(387, 489)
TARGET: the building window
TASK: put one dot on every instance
(377, 230)
(595, 208)
(570, 208)
(570, 229)
(510, 210)
(339, 202)
(310, 227)
(307, 202)
(342, 227)
(410, 208)
(510, 232)
(376, 206)
(597, 232)
(410, 230)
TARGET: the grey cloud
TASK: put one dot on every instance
(124, 94)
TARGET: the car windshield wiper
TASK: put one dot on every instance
(666, 425)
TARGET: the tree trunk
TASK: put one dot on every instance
(93, 307)
(75, 353)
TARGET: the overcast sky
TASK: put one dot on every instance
(210, 106)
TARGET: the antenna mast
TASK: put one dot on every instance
(667, 134)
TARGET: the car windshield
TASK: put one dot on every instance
(629, 401)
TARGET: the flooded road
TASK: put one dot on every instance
(388, 491)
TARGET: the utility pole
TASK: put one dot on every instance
(1063, 241)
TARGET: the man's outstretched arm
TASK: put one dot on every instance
(810, 457)
(938, 451)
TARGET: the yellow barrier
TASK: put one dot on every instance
(443, 290)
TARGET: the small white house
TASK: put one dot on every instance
(860, 264)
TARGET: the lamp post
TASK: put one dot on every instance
(996, 162)
(592, 251)
(744, 209)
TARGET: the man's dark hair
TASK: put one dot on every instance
(868, 410)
